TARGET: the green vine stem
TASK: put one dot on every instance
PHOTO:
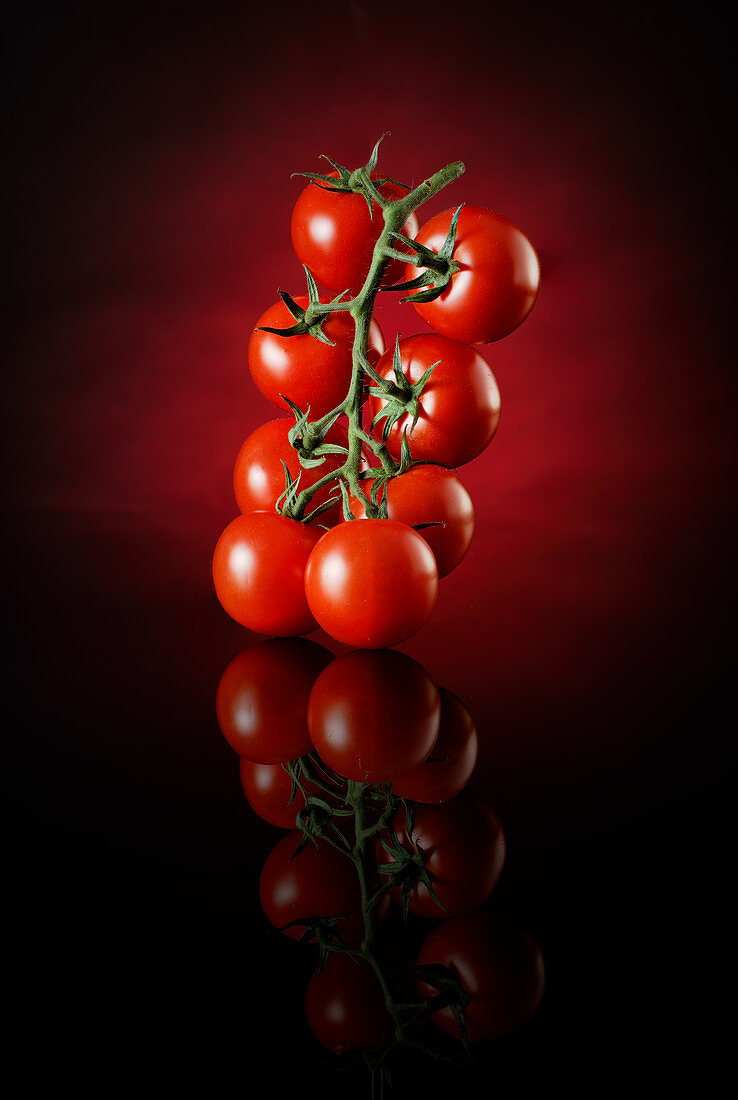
(361, 308)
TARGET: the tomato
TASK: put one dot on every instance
(374, 715)
(497, 285)
(302, 367)
(258, 476)
(371, 583)
(268, 790)
(259, 573)
(459, 406)
(262, 699)
(345, 1006)
(452, 759)
(334, 235)
(318, 882)
(497, 963)
(430, 494)
(465, 849)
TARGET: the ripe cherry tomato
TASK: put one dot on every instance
(303, 368)
(262, 699)
(318, 882)
(334, 235)
(258, 476)
(372, 583)
(498, 282)
(465, 849)
(259, 573)
(451, 761)
(459, 407)
(430, 494)
(498, 963)
(268, 790)
(344, 1005)
(374, 715)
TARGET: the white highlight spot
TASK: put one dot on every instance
(322, 230)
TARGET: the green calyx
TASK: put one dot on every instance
(358, 182)
(440, 267)
(401, 398)
(308, 321)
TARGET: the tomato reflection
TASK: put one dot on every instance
(262, 699)
(374, 715)
(500, 967)
(388, 855)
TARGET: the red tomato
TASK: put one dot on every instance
(258, 476)
(498, 282)
(465, 849)
(303, 368)
(268, 789)
(452, 759)
(459, 407)
(334, 235)
(498, 964)
(345, 1006)
(259, 573)
(372, 583)
(430, 494)
(374, 715)
(262, 699)
(318, 882)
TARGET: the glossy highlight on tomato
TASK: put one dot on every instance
(259, 477)
(499, 965)
(259, 573)
(371, 583)
(459, 406)
(302, 367)
(374, 715)
(262, 698)
(497, 284)
(334, 235)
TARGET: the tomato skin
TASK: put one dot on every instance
(259, 573)
(268, 788)
(459, 407)
(497, 285)
(430, 494)
(318, 882)
(334, 235)
(303, 368)
(372, 583)
(345, 1007)
(258, 474)
(497, 962)
(454, 757)
(465, 849)
(374, 715)
(262, 698)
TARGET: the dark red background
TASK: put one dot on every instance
(147, 205)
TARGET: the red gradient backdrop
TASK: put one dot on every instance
(147, 202)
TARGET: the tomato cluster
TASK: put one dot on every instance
(377, 432)
(351, 511)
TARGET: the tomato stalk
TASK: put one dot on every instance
(408, 1017)
(395, 214)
